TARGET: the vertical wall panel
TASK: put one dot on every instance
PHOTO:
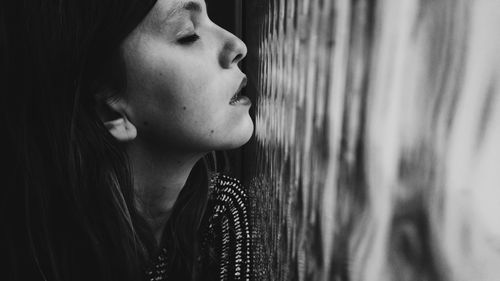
(377, 132)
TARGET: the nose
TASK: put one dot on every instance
(233, 50)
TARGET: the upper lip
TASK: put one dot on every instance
(242, 85)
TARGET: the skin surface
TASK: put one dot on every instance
(182, 71)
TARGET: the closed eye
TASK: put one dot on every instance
(188, 39)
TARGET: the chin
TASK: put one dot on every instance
(240, 136)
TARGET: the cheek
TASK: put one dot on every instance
(201, 117)
(174, 109)
(191, 96)
(180, 102)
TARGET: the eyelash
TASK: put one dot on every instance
(189, 39)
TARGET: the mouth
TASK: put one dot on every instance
(238, 97)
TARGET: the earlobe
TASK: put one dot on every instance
(122, 129)
(113, 113)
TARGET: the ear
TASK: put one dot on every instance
(113, 113)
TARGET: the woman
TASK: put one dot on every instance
(110, 107)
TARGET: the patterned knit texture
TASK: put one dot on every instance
(226, 248)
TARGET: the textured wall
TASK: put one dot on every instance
(378, 133)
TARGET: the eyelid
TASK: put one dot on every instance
(185, 32)
(191, 38)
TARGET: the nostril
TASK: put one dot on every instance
(237, 58)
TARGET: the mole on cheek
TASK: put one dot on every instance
(211, 132)
(183, 108)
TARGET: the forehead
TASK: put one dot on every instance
(167, 14)
(171, 9)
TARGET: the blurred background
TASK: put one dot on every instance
(375, 154)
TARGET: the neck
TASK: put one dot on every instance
(158, 179)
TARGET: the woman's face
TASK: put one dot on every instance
(182, 73)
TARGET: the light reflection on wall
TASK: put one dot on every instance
(377, 126)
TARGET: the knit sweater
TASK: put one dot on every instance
(226, 236)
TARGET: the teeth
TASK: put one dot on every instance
(234, 98)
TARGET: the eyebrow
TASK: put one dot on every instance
(191, 6)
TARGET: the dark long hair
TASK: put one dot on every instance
(67, 205)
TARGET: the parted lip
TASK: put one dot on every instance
(243, 84)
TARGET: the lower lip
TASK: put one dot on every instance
(242, 100)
